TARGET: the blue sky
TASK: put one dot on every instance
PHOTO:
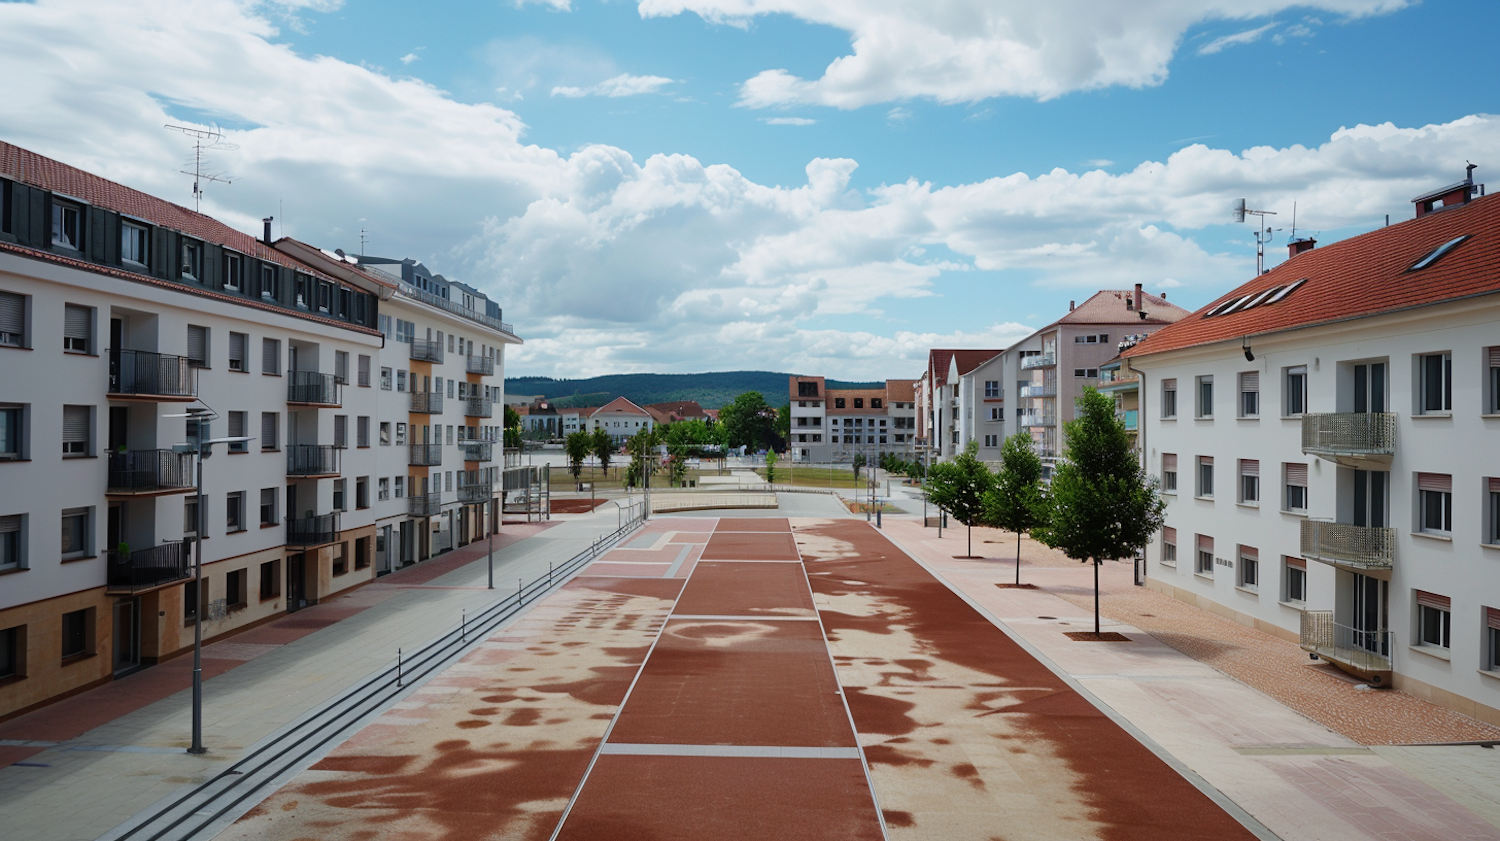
(831, 188)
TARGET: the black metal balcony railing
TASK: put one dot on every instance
(426, 455)
(482, 365)
(452, 306)
(1355, 439)
(150, 471)
(312, 460)
(312, 388)
(1356, 547)
(425, 350)
(312, 531)
(143, 373)
(427, 402)
(478, 407)
(1364, 652)
(424, 505)
(474, 487)
(147, 568)
(478, 450)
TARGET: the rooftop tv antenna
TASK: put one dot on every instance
(204, 140)
(363, 240)
(1263, 232)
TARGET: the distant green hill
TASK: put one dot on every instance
(711, 390)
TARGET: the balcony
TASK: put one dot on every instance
(1045, 390)
(1030, 420)
(481, 365)
(1362, 440)
(425, 350)
(312, 460)
(478, 407)
(1130, 418)
(424, 505)
(1352, 547)
(306, 532)
(310, 388)
(145, 375)
(427, 402)
(1365, 654)
(478, 450)
(1044, 360)
(150, 472)
(426, 455)
(474, 487)
(457, 309)
(146, 569)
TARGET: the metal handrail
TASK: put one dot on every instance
(1342, 544)
(145, 372)
(424, 505)
(443, 303)
(427, 402)
(146, 471)
(1043, 390)
(1365, 650)
(147, 568)
(1350, 433)
(426, 350)
(478, 407)
(312, 460)
(312, 387)
(482, 365)
(426, 455)
(312, 531)
(478, 450)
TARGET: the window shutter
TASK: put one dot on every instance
(1250, 381)
(1432, 600)
(198, 344)
(1492, 617)
(270, 356)
(76, 322)
(1495, 357)
(1169, 385)
(237, 424)
(1250, 552)
(237, 350)
(1206, 460)
(1495, 486)
(12, 314)
(364, 369)
(1169, 462)
(268, 430)
(1296, 563)
(1435, 482)
(1169, 535)
(1296, 474)
(10, 524)
(1249, 467)
(1205, 543)
(340, 430)
(75, 424)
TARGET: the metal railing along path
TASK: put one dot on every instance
(211, 806)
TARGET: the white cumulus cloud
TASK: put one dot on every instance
(621, 85)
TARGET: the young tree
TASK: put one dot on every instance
(642, 450)
(859, 461)
(749, 421)
(770, 467)
(604, 447)
(1103, 503)
(578, 445)
(512, 429)
(1017, 502)
(784, 421)
(959, 486)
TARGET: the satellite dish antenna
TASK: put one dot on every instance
(1262, 233)
(211, 139)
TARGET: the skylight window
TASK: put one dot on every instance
(1437, 253)
(1259, 299)
(1285, 292)
(1236, 305)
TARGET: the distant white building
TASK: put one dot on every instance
(838, 424)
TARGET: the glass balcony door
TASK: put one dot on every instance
(1369, 614)
(1371, 507)
(1370, 388)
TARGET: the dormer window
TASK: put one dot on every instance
(135, 243)
(234, 271)
(838, 402)
(192, 260)
(67, 225)
(859, 402)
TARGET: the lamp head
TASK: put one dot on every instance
(1249, 357)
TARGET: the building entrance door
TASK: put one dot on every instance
(127, 636)
(296, 582)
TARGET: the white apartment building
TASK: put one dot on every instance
(621, 419)
(981, 413)
(941, 401)
(836, 424)
(1328, 440)
(119, 312)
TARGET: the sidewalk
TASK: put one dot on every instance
(1293, 746)
(77, 768)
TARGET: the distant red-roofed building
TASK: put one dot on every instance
(621, 419)
(1328, 440)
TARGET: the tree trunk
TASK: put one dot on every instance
(1096, 595)
(969, 528)
(1018, 557)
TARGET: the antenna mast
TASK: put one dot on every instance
(362, 241)
(1262, 232)
(203, 139)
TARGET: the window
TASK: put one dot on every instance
(190, 515)
(1205, 559)
(400, 434)
(450, 433)
(341, 431)
(1205, 476)
(1169, 398)
(875, 402)
(439, 384)
(1492, 531)
(1249, 481)
(1492, 381)
(1434, 618)
(807, 389)
(267, 507)
(400, 486)
(364, 370)
(192, 260)
(12, 431)
(1206, 397)
(12, 652)
(362, 492)
(1435, 392)
(190, 597)
(234, 511)
(1250, 394)
(13, 541)
(1169, 546)
(450, 340)
(234, 271)
(838, 402)
(234, 589)
(67, 225)
(341, 367)
(1295, 384)
(135, 244)
(237, 422)
(269, 422)
(1296, 486)
(303, 288)
(1090, 373)
(77, 533)
(1435, 254)
(384, 491)
(400, 380)
(13, 320)
(405, 331)
(361, 552)
(78, 329)
(1294, 580)
(270, 580)
(997, 413)
(340, 559)
(270, 283)
(991, 389)
(385, 433)
(1249, 571)
(1435, 503)
(362, 431)
(448, 480)
(992, 440)
(75, 431)
(385, 379)
(197, 341)
(270, 356)
(325, 296)
(77, 633)
(239, 352)
(1169, 473)
(338, 494)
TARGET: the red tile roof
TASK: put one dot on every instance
(1357, 277)
(968, 360)
(900, 390)
(1109, 307)
(620, 405)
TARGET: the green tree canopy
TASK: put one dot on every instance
(642, 450)
(1017, 502)
(784, 421)
(604, 447)
(959, 486)
(692, 437)
(1103, 503)
(578, 446)
(749, 421)
(512, 429)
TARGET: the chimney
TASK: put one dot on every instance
(1162, 294)
(1138, 296)
(1297, 246)
(267, 221)
(1070, 306)
(1450, 196)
